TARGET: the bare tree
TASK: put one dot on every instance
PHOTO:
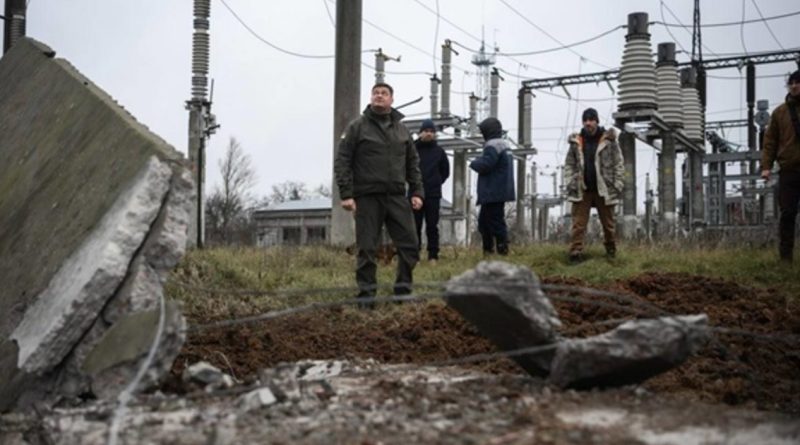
(288, 191)
(227, 206)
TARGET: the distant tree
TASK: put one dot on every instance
(323, 191)
(227, 208)
(288, 191)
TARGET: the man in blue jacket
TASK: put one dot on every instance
(495, 186)
(435, 170)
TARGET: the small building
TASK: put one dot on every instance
(294, 223)
(308, 221)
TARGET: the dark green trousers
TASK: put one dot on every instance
(372, 212)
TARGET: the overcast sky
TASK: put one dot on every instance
(280, 106)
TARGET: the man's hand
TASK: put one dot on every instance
(416, 202)
(349, 204)
(765, 175)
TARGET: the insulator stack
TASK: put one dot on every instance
(637, 77)
(17, 28)
(668, 86)
(692, 112)
(200, 49)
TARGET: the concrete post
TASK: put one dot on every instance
(493, 93)
(434, 96)
(535, 234)
(460, 195)
(627, 143)
(666, 184)
(14, 24)
(473, 115)
(522, 170)
(380, 66)
(447, 56)
(648, 208)
(697, 204)
(751, 124)
(347, 86)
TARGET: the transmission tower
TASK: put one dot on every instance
(483, 67)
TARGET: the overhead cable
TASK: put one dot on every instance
(529, 21)
(554, 49)
(715, 25)
(766, 24)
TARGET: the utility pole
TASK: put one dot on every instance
(202, 123)
(14, 22)
(380, 65)
(347, 86)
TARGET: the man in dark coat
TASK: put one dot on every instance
(495, 186)
(782, 144)
(375, 161)
(435, 170)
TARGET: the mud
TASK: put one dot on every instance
(751, 371)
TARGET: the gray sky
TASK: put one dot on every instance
(280, 107)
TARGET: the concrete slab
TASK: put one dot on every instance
(506, 304)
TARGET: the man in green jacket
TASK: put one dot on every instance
(375, 162)
(782, 144)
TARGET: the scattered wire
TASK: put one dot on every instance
(529, 21)
(766, 23)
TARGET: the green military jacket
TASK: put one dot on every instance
(377, 159)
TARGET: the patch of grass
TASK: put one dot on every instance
(233, 270)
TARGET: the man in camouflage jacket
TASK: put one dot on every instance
(593, 173)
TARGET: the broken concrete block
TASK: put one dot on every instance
(256, 399)
(207, 374)
(71, 156)
(631, 353)
(506, 304)
(76, 294)
(117, 357)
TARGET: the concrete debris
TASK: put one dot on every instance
(399, 405)
(207, 375)
(631, 353)
(98, 209)
(322, 370)
(256, 399)
(506, 304)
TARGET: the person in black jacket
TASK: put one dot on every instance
(374, 162)
(495, 186)
(435, 170)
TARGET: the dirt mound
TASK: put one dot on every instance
(734, 368)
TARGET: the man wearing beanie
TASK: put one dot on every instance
(782, 144)
(374, 164)
(495, 186)
(435, 170)
(593, 174)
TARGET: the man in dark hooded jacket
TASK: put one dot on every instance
(375, 162)
(435, 170)
(495, 186)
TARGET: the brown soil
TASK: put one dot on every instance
(734, 369)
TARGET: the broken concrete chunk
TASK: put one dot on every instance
(256, 399)
(207, 374)
(506, 304)
(631, 353)
(76, 294)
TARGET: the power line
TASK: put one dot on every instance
(686, 28)
(766, 24)
(741, 29)
(444, 19)
(549, 35)
(272, 45)
(436, 36)
(715, 25)
(674, 39)
(554, 49)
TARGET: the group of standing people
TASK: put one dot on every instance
(388, 179)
